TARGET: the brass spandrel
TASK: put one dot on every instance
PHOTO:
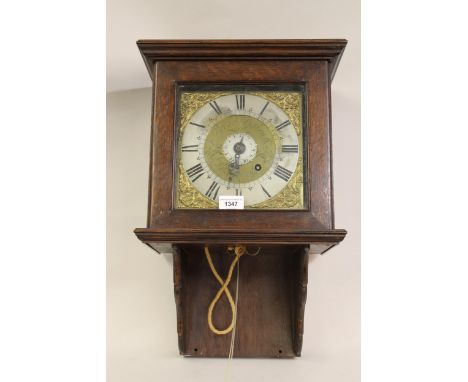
(290, 103)
(190, 102)
(290, 197)
(188, 196)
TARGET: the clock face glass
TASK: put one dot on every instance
(240, 141)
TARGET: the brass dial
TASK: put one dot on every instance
(240, 144)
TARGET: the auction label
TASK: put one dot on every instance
(230, 202)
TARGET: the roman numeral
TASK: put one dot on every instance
(264, 107)
(197, 124)
(215, 107)
(240, 101)
(290, 148)
(195, 172)
(283, 125)
(265, 191)
(213, 190)
(282, 173)
(238, 191)
(190, 149)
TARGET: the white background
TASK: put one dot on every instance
(52, 158)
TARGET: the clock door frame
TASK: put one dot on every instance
(313, 75)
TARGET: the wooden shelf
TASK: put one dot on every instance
(319, 241)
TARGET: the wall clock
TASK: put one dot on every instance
(243, 121)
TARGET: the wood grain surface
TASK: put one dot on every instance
(270, 307)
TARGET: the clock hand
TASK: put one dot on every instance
(239, 148)
(234, 167)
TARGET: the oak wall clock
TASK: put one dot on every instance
(240, 165)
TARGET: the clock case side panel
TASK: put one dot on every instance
(163, 217)
(161, 161)
(319, 122)
(152, 139)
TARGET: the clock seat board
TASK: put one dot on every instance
(248, 118)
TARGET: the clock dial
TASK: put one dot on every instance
(241, 144)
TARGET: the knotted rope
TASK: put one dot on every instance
(239, 250)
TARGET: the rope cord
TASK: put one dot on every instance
(239, 250)
(233, 335)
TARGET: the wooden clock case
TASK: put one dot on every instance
(273, 284)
